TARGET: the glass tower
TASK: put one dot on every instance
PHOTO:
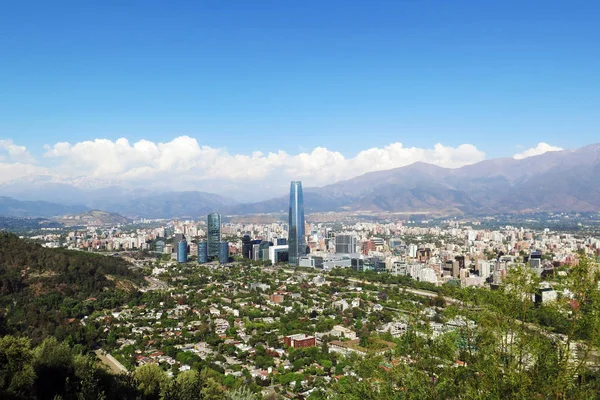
(202, 252)
(297, 247)
(223, 252)
(246, 246)
(214, 234)
(182, 253)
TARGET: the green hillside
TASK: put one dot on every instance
(42, 290)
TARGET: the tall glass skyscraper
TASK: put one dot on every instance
(202, 252)
(214, 234)
(182, 253)
(223, 253)
(246, 246)
(297, 246)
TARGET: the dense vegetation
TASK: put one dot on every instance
(44, 292)
(52, 370)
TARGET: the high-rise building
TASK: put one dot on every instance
(345, 244)
(254, 253)
(159, 246)
(178, 238)
(246, 246)
(214, 234)
(297, 246)
(202, 252)
(182, 252)
(263, 250)
(223, 252)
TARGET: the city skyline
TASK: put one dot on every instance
(449, 245)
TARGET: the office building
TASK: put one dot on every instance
(345, 244)
(214, 234)
(278, 254)
(202, 252)
(297, 245)
(255, 250)
(246, 246)
(368, 264)
(178, 238)
(263, 250)
(535, 260)
(327, 262)
(223, 252)
(182, 252)
(193, 249)
(159, 247)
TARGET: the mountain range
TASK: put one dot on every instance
(16, 208)
(567, 180)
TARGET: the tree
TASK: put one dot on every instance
(53, 364)
(86, 372)
(189, 384)
(212, 390)
(242, 393)
(17, 375)
(364, 334)
(170, 390)
(149, 379)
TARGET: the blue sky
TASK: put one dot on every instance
(283, 75)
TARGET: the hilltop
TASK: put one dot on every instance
(94, 218)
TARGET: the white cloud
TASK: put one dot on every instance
(9, 151)
(541, 148)
(183, 164)
(183, 159)
(10, 172)
(16, 163)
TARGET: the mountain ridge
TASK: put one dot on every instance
(566, 180)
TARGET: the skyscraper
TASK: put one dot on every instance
(223, 253)
(202, 252)
(178, 238)
(182, 251)
(246, 246)
(297, 246)
(214, 234)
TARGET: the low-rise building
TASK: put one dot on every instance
(300, 340)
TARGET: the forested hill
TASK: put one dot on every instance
(42, 289)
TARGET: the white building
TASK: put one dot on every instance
(341, 331)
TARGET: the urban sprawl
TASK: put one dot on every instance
(291, 305)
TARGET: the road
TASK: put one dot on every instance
(112, 363)
(418, 292)
(154, 284)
